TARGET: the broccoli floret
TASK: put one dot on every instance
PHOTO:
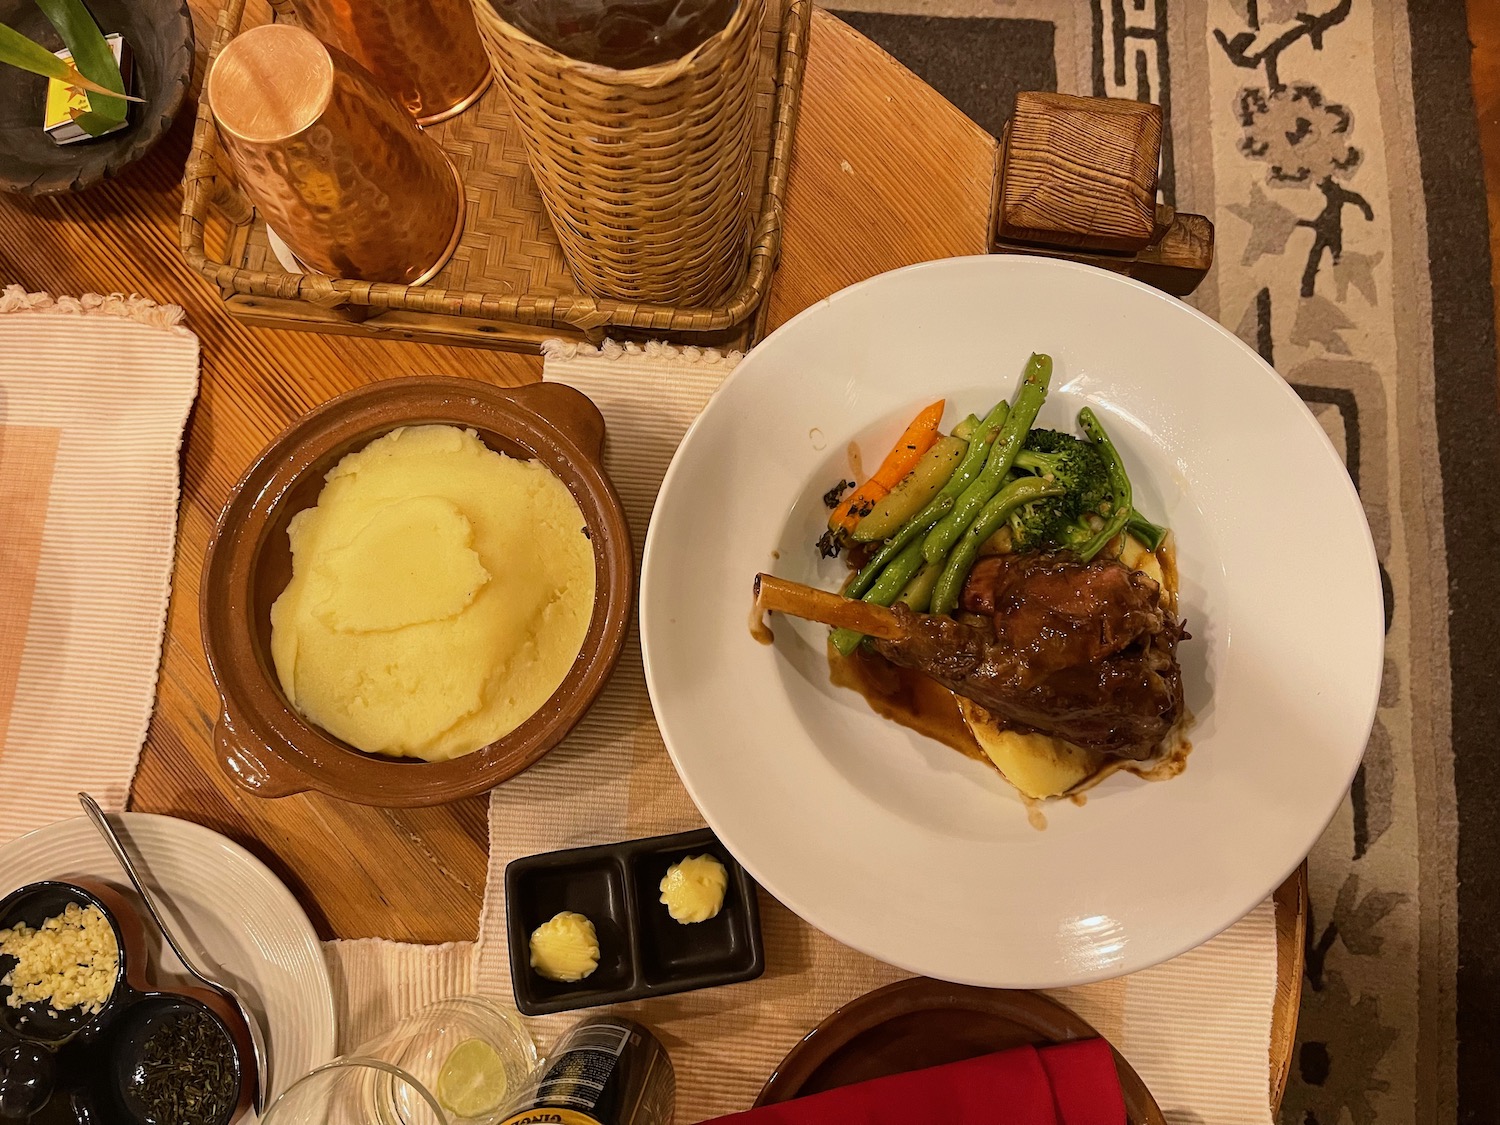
(1060, 522)
(1047, 524)
(1074, 463)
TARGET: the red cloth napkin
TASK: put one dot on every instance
(1067, 1084)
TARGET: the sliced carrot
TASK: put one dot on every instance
(920, 436)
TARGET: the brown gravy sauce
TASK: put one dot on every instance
(1173, 759)
(905, 697)
(760, 629)
(1166, 556)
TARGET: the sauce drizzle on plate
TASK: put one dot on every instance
(906, 697)
(759, 628)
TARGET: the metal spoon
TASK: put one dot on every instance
(101, 822)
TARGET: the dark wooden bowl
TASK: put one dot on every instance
(263, 743)
(160, 35)
(918, 1023)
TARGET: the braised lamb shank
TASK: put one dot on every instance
(1086, 652)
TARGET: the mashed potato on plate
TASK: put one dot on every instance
(440, 592)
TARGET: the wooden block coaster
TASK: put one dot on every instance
(1080, 172)
(1077, 180)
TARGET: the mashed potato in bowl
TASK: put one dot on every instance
(440, 593)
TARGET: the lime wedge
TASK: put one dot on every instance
(472, 1082)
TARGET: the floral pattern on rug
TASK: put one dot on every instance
(1303, 208)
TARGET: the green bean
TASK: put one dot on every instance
(918, 592)
(939, 506)
(1119, 484)
(892, 581)
(965, 429)
(845, 640)
(980, 443)
(936, 509)
(1150, 534)
(895, 577)
(991, 519)
(942, 538)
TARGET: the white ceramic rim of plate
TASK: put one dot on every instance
(1368, 630)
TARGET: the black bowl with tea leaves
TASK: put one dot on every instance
(86, 1037)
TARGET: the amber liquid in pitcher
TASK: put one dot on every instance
(623, 34)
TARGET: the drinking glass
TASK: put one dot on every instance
(456, 1062)
(356, 1091)
(427, 53)
(333, 164)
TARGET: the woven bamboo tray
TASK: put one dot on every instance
(507, 285)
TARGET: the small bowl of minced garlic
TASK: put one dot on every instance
(60, 962)
(84, 1035)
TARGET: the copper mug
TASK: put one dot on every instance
(335, 166)
(427, 53)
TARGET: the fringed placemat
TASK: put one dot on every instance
(94, 394)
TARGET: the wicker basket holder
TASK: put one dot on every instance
(645, 172)
(510, 283)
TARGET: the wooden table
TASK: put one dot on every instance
(1484, 33)
(885, 173)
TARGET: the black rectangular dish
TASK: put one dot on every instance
(643, 952)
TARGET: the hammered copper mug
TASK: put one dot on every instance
(427, 53)
(335, 166)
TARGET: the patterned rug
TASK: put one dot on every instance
(1333, 143)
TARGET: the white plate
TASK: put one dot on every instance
(901, 847)
(225, 903)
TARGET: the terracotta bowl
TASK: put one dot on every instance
(264, 744)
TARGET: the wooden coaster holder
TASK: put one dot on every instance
(1077, 179)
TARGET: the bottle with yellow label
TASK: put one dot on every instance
(603, 1071)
